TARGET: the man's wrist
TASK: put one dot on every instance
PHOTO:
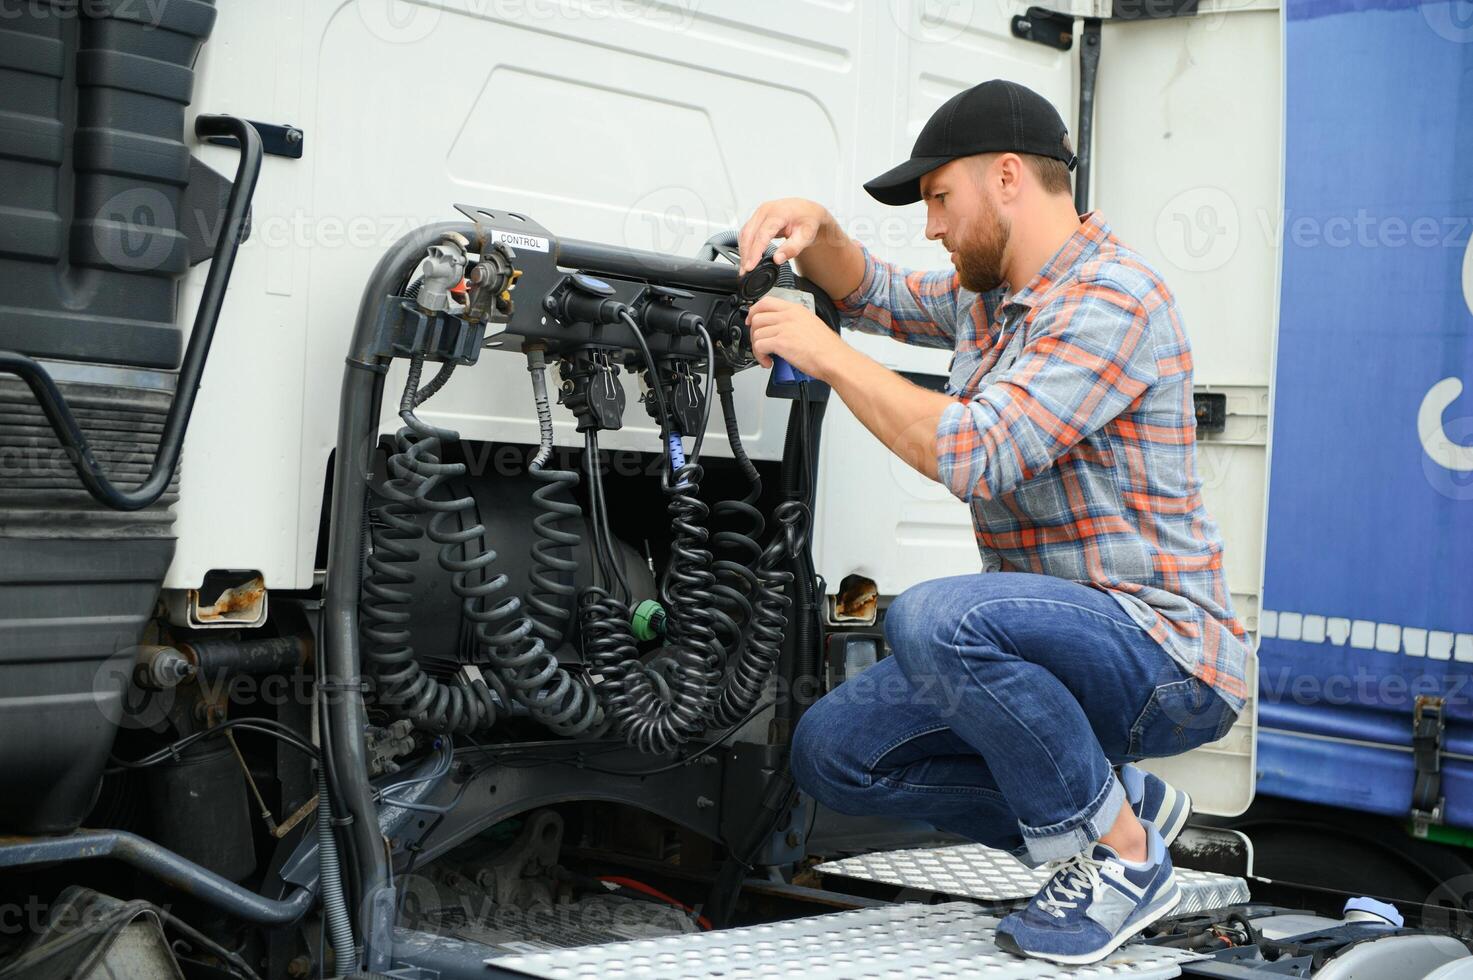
(842, 364)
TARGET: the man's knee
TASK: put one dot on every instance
(919, 626)
(820, 760)
(905, 618)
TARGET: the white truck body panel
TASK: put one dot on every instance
(656, 123)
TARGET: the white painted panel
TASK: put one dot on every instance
(913, 528)
(240, 479)
(1188, 151)
(879, 518)
(652, 124)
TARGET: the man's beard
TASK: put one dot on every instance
(979, 260)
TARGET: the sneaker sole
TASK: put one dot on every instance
(1159, 909)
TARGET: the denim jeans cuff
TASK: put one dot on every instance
(1076, 834)
(1024, 856)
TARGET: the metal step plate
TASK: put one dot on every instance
(891, 942)
(989, 875)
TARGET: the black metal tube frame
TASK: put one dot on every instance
(207, 315)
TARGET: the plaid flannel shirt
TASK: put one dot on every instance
(1073, 435)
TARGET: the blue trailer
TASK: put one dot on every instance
(1366, 652)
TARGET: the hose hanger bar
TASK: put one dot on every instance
(53, 402)
(631, 263)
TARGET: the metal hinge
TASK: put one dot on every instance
(1043, 26)
(1427, 799)
(276, 141)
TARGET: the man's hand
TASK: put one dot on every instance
(830, 258)
(795, 334)
(793, 219)
(901, 415)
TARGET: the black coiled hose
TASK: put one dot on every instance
(655, 707)
(551, 592)
(736, 543)
(742, 687)
(403, 687)
(609, 644)
(522, 667)
(609, 647)
(658, 717)
(754, 590)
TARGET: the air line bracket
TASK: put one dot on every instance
(404, 330)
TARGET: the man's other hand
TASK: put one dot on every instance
(791, 331)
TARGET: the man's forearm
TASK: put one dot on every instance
(833, 261)
(901, 415)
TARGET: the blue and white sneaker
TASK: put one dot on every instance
(1092, 905)
(1156, 801)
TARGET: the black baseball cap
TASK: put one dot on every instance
(994, 117)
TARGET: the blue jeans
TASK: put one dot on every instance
(999, 715)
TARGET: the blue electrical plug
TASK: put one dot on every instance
(784, 373)
(760, 282)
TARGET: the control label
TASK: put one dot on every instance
(520, 241)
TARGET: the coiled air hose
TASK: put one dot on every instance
(659, 706)
(655, 707)
(549, 596)
(755, 591)
(522, 666)
(742, 525)
(403, 686)
(529, 671)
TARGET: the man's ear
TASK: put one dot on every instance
(1008, 177)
